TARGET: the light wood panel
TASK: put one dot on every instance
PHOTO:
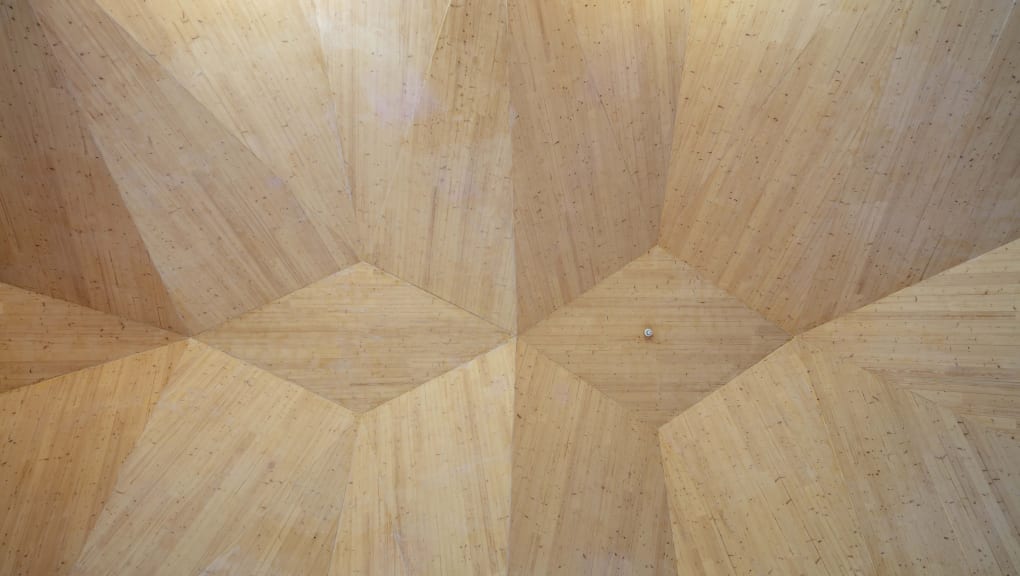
(359, 337)
(587, 142)
(443, 218)
(63, 442)
(828, 154)
(262, 76)
(588, 488)
(42, 338)
(65, 231)
(954, 338)
(809, 464)
(703, 337)
(430, 485)
(237, 472)
(225, 232)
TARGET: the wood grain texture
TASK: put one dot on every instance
(703, 337)
(262, 76)
(359, 337)
(430, 488)
(41, 338)
(63, 441)
(582, 209)
(64, 230)
(588, 490)
(809, 464)
(237, 472)
(225, 232)
(954, 338)
(444, 219)
(828, 154)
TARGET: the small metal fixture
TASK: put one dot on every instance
(648, 333)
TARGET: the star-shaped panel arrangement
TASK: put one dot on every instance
(360, 287)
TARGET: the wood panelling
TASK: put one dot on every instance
(430, 484)
(64, 230)
(703, 337)
(237, 472)
(954, 338)
(41, 338)
(587, 141)
(443, 219)
(809, 464)
(61, 444)
(588, 489)
(359, 337)
(828, 154)
(258, 68)
(225, 232)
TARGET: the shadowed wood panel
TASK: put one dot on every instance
(359, 337)
(258, 68)
(828, 154)
(237, 472)
(954, 338)
(41, 338)
(61, 444)
(430, 484)
(703, 337)
(809, 464)
(581, 211)
(444, 219)
(226, 233)
(64, 230)
(588, 489)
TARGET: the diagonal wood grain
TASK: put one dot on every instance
(237, 472)
(41, 338)
(63, 442)
(64, 229)
(360, 337)
(827, 154)
(703, 337)
(225, 232)
(430, 488)
(588, 490)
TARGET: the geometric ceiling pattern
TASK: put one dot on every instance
(350, 287)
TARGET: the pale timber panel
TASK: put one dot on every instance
(237, 472)
(64, 230)
(430, 484)
(258, 67)
(444, 218)
(828, 154)
(809, 464)
(703, 337)
(581, 211)
(62, 442)
(588, 490)
(359, 337)
(225, 232)
(41, 338)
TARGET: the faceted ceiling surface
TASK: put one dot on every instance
(350, 287)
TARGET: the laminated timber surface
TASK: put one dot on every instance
(809, 464)
(430, 484)
(703, 337)
(237, 472)
(588, 490)
(41, 338)
(592, 107)
(226, 233)
(64, 230)
(62, 442)
(263, 79)
(359, 337)
(828, 154)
